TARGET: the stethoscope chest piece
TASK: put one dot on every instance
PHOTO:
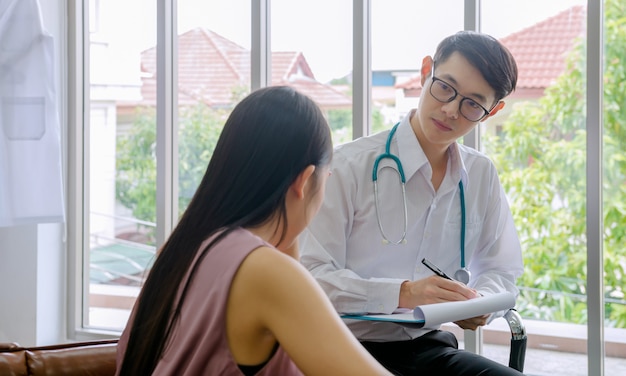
(462, 275)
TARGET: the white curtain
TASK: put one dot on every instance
(31, 181)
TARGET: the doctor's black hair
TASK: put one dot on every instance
(270, 137)
(485, 53)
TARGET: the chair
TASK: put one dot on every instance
(517, 353)
(517, 350)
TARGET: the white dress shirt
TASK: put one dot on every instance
(343, 248)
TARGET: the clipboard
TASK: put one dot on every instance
(429, 315)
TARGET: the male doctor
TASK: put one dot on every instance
(367, 257)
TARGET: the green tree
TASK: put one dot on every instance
(135, 181)
(199, 129)
(340, 122)
(542, 162)
(339, 118)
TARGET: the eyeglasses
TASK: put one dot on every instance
(445, 93)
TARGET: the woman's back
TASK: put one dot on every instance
(199, 344)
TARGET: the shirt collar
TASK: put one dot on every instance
(413, 158)
(409, 150)
(457, 164)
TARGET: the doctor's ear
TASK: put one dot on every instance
(495, 109)
(427, 68)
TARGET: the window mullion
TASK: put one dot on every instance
(261, 51)
(362, 68)
(472, 22)
(167, 128)
(595, 266)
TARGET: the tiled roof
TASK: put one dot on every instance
(211, 66)
(413, 83)
(540, 51)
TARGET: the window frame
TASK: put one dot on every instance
(167, 171)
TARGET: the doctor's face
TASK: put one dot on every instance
(454, 98)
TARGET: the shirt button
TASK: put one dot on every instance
(381, 307)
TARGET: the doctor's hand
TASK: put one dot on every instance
(473, 323)
(433, 289)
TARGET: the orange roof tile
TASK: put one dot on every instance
(541, 50)
(211, 66)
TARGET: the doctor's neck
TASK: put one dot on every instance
(436, 154)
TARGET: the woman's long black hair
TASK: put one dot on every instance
(270, 137)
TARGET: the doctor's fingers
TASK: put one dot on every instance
(473, 323)
(453, 290)
(435, 289)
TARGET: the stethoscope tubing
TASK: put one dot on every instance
(388, 155)
(462, 198)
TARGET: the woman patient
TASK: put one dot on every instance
(227, 294)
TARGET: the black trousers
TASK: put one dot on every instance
(435, 353)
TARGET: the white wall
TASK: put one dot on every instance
(33, 257)
(32, 284)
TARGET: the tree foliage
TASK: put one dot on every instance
(340, 122)
(199, 129)
(135, 181)
(542, 161)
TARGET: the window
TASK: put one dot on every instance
(316, 63)
(399, 44)
(120, 163)
(540, 145)
(214, 67)
(126, 129)
(545, 194)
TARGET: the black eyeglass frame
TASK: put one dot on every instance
(456, 94)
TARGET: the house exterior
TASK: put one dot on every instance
(211, 69)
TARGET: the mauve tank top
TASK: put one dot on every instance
(199, 345)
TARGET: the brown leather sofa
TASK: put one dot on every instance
(92, 358)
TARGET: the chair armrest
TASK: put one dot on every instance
(517, 353)
(518, 330)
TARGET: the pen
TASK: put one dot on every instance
(435, 269)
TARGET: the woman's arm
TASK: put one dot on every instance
(274, 297)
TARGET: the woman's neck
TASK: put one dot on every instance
(271, 232)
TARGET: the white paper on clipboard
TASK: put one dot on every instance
(431, 315)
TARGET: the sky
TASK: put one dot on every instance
(403, 31)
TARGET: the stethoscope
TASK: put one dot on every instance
(461, 275)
